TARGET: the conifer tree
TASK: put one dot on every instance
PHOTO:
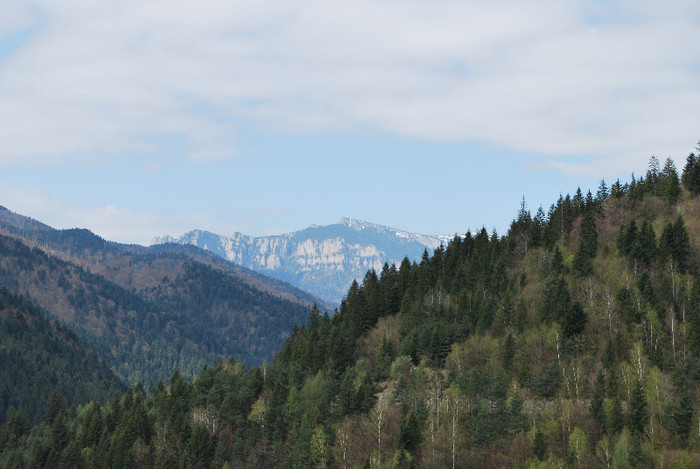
(517, 421)
(587, 246)
(597, 409)
(691, 174)
(481, 423)
(638, 415)
(574, 320)
(602, 194)
(681, 243)
(617, 190)
(682, 417)
(539, 446)
(54, 406)
(669, 183)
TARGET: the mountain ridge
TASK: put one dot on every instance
(321, 259)
(147, 311)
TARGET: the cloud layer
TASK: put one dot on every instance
(110, 222)
(609, 80)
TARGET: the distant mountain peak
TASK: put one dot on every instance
(321, 259)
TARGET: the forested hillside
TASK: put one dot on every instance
(147, 312)
(571, 341)
(38, 356)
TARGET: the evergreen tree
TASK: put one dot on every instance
(617, 190)
(574, 320)
(410, 433)
(669, 183)
(549, 382)
(682, 417)
(539, 446)
(627, 237)
(597, 408)
(482, 424)
(54, 406)
(517, 421)
(616, 418)
(681, 244)
(556, 299)
(587, 246)
(557, 262)
(602, 195)
(638, 415)
(691, 174)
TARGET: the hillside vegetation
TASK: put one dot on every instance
(147, 312)
(38, 356)
(571, 341)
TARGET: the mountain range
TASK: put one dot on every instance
(148, 311)
(571, 341)
(322, 260)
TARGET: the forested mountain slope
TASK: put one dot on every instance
(572, 341)
(148, 312)
(115, 261)
(38, 356)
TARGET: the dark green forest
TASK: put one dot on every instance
(184, 314)
(39, 356)
(571, 341)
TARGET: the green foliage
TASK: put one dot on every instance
(587, 246)
(44, 365)
(691, 174)
(638, 415)
(549, 382)
(597, 408)
(491, 352)
(539, 445)
(183, 321)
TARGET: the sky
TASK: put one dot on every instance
(139, 118)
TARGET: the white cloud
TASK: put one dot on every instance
(617, 80)
(107, 221)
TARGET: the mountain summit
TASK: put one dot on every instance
(323, 260)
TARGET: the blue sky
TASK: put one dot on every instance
(142, 118)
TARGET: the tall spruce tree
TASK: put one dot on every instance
(691, 174)
(587, 245)
(638, 415)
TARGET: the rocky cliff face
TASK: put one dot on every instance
(323, 260)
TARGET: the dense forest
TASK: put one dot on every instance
(571, 341)
(39, 356)
(147, 313)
